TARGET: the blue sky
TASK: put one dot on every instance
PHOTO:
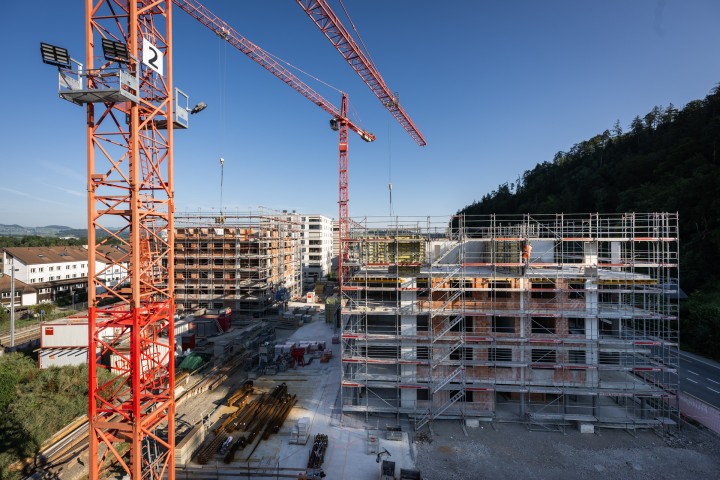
(495, 86)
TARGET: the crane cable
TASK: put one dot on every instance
(392, 210)
(352, 24)
(222, 67)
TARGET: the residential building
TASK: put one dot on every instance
(316, 238)
(546, 319)
(63, 271)
(249, 263)
(54, 271)
(25, 295)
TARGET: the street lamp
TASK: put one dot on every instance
(12, 305)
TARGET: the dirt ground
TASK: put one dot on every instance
(511, 451)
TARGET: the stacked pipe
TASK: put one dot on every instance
(212, 447)
(281, 414)
(265, 413)
(241, 394)
(317, 454)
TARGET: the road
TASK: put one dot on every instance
(700, 377)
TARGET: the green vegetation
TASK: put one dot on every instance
(35, 403)
(37, 241)
(669, 161)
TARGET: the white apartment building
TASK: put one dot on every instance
(61, 271)
(316, 244)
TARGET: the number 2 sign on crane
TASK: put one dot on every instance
(152, 56)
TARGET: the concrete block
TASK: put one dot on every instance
(586, 427)
(472, 422)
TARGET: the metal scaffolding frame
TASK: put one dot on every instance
(247, 262)
(543, 319)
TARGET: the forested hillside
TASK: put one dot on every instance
(667, 161)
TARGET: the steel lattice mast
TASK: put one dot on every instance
(130, 200)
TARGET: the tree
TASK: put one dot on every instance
(652, 118)
(617, 129)
(43, 308)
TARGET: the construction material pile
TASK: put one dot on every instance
(317, 454)
(260, 418)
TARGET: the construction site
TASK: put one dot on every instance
(543, 322)
(542, 319)
(247, 262)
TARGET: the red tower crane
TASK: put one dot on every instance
(132, 111)
(328, 22)
(126, 86)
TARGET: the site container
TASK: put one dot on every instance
(61, 357)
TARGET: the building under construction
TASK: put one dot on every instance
(247, 262)
(546, 319)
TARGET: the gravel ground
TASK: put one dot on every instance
(511, 451)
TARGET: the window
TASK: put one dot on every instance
(67, 267)
(542, 355)
(32, 270)
(423, 352)
(51, 268)
(542, 289)
(500, 354)
(576, 356)
(469, 322)
(576, 290)
(423, 394)
(74, 265)
(542, 325)
(423, 324)
(495, 293)
(461, 353)
(41, 269)
(609, 358)
(576, 326)
(503, 324)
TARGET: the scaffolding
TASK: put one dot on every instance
(247, 262)
(543, 319)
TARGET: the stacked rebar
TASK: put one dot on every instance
(261, 418)
(265, 416)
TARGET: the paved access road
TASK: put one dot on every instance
(700, 377)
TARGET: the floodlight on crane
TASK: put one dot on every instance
(115, 51)
(198, 108)
(54, 55)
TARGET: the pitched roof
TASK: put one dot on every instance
(43, 255)
(19, 286)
